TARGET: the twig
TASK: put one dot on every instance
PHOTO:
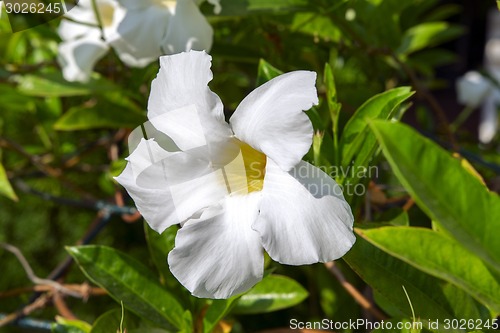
(31, 275)
(32, 323)
(97, 205)
(62, 308)
(38, 303)
(84, 289)
(46, 169)
(358, 297)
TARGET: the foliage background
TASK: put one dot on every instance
(68, 140)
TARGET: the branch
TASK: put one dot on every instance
(358, 297)
(31, 275)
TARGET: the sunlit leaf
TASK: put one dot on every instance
(358, 144)
(129, 281)
(440, 256)
(70, 326)
(54, 85)
(5, 187)
(444, 189)
(266, 72)
(431, 298)
(427, 35)
(273, 293)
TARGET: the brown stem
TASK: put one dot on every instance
(358, 297)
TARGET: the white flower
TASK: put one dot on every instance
(474, 90)
(236, 188)
(152, 28)
(139, 31)
(82, 45)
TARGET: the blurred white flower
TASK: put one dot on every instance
(83, 44)
(236, 188)
(139, 31)
(475, 90)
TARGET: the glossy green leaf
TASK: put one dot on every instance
(431, 298)
(129, 281)
(357, 142)
(427, 35)
(70, 326)
(266, 72)
(159, 247)
(273, 293)
(334, 108)
(5, 187)
(444, 189)
(54, 85)
(109, 322)
(101, 115)
(216, 312)
(441, 256)
(244, 7)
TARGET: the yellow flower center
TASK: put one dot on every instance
(255, 167)
(246, 172)
(170, 4)
(106, 12)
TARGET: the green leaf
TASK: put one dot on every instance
(334, 109)
(440, 256)
(273, 293)
(266, 72)
(54, 85)
(444, 189)
(216, 312)
(70, 326)
(428, 34)
(5, 187)
(109, 322)
(159, 247)
(431, 298)
(101, 115)
(129, 281)
(357, 142)
(244, 7)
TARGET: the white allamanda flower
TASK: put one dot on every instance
(83, 44)
(237, 188)
(139, 32)
(475, 90)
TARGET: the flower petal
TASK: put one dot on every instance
(78, 57)
(303, 218)
(270, 118)
(182, 83)
(188, 29)
(220, 256)
(139, 35)
(488, 123)
(183, 80)
(169, 188)
(472, 89)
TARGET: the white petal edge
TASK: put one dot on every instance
(77, 58)
(271, 118)
(221, 256)
(183, 82)
(304, 217)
